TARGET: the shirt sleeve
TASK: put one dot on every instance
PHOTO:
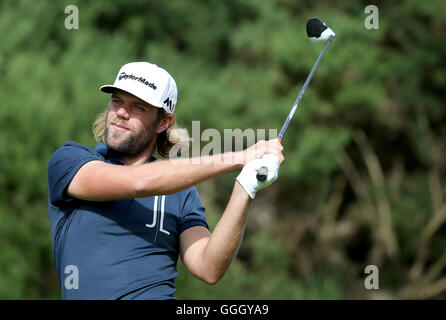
(63, 166)
(193, 212)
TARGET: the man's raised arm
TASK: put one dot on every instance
(101, 181)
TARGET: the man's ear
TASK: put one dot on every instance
(165, 123)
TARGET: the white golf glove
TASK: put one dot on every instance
(248, 176)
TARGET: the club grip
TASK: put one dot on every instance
(262, 173)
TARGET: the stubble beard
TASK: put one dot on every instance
(135, 142)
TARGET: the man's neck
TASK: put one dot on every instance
(140, 158)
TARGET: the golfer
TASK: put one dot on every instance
(120, 218)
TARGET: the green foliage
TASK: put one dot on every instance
(363, 181)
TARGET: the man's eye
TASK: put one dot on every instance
(139, 108)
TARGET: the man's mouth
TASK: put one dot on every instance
(119, 127)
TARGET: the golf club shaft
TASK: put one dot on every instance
(302, 91)
(263, 171)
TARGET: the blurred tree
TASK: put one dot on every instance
(363, 181)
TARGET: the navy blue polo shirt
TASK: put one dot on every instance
(123, 249)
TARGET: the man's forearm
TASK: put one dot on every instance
(227, 235)
(174, 175)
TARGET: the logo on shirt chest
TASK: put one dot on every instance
(158, 216)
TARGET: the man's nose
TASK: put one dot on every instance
(123, 112)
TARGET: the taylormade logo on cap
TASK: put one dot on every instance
(148, 82)
(125, 76)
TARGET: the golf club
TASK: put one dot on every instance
(317, 30)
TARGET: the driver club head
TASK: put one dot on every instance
(317, 30)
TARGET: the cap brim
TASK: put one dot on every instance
(110, 88)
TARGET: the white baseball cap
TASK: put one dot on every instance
(148, 82)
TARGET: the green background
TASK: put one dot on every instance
(364, 177)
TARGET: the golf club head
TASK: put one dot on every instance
(317, 30)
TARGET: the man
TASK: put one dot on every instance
(119, 218)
